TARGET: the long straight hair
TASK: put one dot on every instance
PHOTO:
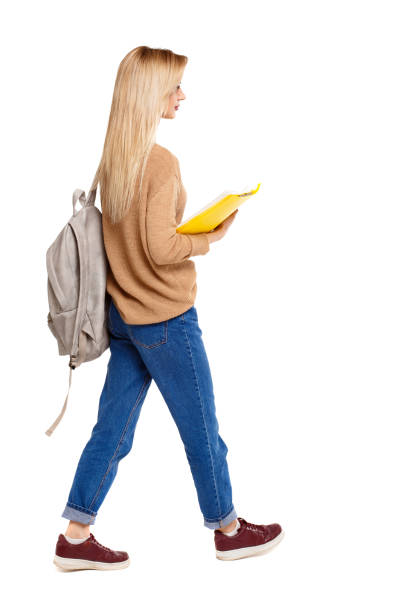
(146, 78)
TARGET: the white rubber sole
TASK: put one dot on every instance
(250, 551)
(78, 564)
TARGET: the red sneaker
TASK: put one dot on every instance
(88, 555)
(249, 540)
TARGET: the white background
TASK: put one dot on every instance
(300, 304)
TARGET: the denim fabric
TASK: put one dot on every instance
(172, 354)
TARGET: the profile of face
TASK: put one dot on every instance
(174, 102)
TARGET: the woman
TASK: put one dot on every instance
(152, 320)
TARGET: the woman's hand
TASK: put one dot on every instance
(220, 231)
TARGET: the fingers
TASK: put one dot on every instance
(232, 216)
(224, 225)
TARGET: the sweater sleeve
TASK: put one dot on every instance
(165, 244)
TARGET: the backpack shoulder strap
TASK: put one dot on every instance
(72, 365)
(59, 418)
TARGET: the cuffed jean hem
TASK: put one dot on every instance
(226, 520)
(73, 514)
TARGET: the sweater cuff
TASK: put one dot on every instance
(200, 244)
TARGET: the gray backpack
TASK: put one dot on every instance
(77, 266)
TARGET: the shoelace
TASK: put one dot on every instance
(253, 527)
(99, 544)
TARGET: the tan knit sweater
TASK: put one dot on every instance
(150, 276)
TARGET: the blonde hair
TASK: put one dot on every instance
(146, 78)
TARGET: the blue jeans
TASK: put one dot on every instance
(172, 353)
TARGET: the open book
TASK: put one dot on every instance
(215, 213)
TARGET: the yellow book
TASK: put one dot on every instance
(215, 213)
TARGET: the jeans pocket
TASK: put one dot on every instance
(149, 335)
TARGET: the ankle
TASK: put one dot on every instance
(229, 527)
(77, 530)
